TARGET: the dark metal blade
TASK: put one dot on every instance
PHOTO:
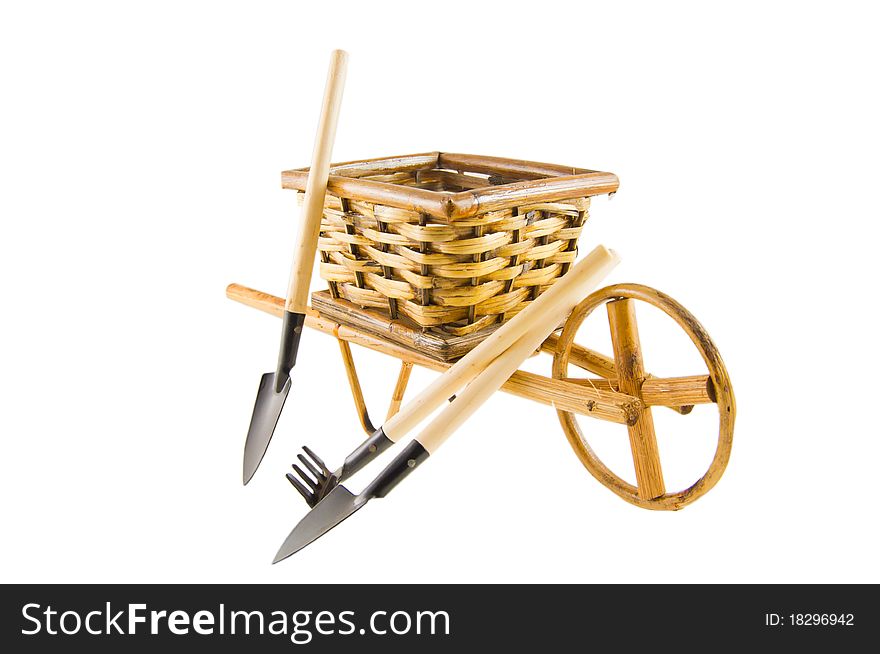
(339, 504)
(267, 410)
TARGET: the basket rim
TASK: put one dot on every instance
(543, 183)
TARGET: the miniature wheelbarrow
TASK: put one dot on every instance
(428, 255)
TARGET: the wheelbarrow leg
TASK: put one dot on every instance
(354, 383)
(357, 393)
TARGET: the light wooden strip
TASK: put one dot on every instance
(477, 245)
(379, 165)
(453, 207)
(469, 269)
(506, 167)
(450, 178)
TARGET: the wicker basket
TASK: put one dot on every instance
(452, 242)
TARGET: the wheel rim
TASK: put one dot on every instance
(724, 398)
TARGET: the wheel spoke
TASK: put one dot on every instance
(630, 376)
(678, 391)
(672, 392)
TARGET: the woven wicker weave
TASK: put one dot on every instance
(452, 242)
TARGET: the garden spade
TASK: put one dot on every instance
(274, 386)
(533, 328)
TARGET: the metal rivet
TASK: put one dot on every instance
(411, 463)
(372, 448)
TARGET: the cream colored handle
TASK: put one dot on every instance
(499, 371)
(544, 314)
(316, 188)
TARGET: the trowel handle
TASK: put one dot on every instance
(316, 188)
(546, 312)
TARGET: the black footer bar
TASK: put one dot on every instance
(433, 618)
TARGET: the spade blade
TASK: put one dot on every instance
(338, 505)
(267, 410)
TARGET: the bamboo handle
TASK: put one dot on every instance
(545, 313)
(316, 187)
(502, 368)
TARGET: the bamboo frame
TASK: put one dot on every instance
(537, 182)
(598, 398)
(602, 400)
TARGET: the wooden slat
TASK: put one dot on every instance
(673, 392)
(465, 204)
(437, 344)
(630, 375)
(475, 163)
(494, 198)
(380, 165)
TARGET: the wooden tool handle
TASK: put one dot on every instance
(507, 363)
(316, 188)
(545, 313)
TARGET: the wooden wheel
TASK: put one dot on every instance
(625, 373)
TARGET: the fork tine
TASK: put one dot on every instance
(305, 477)
(308, 464)
(302, 490)
(314, 457)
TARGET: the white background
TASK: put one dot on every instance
(141, 146)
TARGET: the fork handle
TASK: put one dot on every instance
(502, 367)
